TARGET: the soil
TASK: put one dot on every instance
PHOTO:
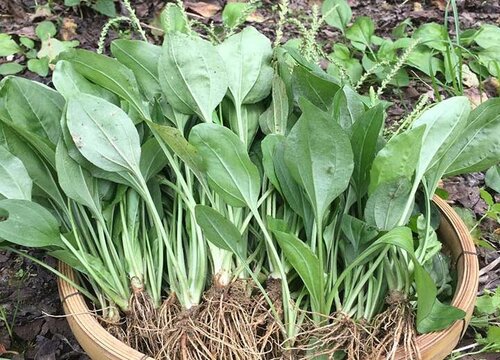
(28, 293)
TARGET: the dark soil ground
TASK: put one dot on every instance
(28, 293)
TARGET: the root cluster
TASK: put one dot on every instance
(235, 322)
(391, 333)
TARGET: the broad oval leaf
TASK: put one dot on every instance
(444, 124)
(15, 181)
(479, 146)
(492, 178)
(347, 107)
(33, 108)
(192, 75)
(103, 133)
(247, 56)
(75, 181)
(142, 58)
(313, 87)
(361, 32)
(319, 155)
(337, 13)
(108, 73)
(28, 224)
(307, 265)
(229, 169)
(69, 82)
(37, 167)
(385, 206)
(219, 230)
(398, 158)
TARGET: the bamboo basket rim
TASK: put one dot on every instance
(94, 338)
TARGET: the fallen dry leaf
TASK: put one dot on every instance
(68, 29)
(440, 4)
(417, 7)
(204, 9)
(469, 79)
(3, 350)
(475, 96)
(41, 11)
(256, 17)
(493, 85)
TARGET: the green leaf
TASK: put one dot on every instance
(142, 58)
(103, 133)
(153, 159)
(432, 35)
(174, 139)
(398, 158)
(15, 183)
(218, 230)
(105, 7)
(37, 167)
(361, 32)
(307, 265)
(108, 73)
(34, 108)
(274, 120)
(72, 2)
(490, 59)
(69, 82)
(27, 42)
(232, 14)
(364, 139)
(51, 48)
(488, 303)
(347, 107)
(8, 46)
(319, 156)
(39, 66)
(11, 68)
(424, 60)
(444, 124)
(76, 182)
(316, 89)
(28, 224)
(337, 13)
(229, 169)
(247, 57)
(172, 19)
(289, 188)
(268, 146)
(477, 148)
(45, 30)
(385, 206)
(492, 178)
(488, 36)
(432, 315)
(192, 75)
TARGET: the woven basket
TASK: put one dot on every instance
(100, 345)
